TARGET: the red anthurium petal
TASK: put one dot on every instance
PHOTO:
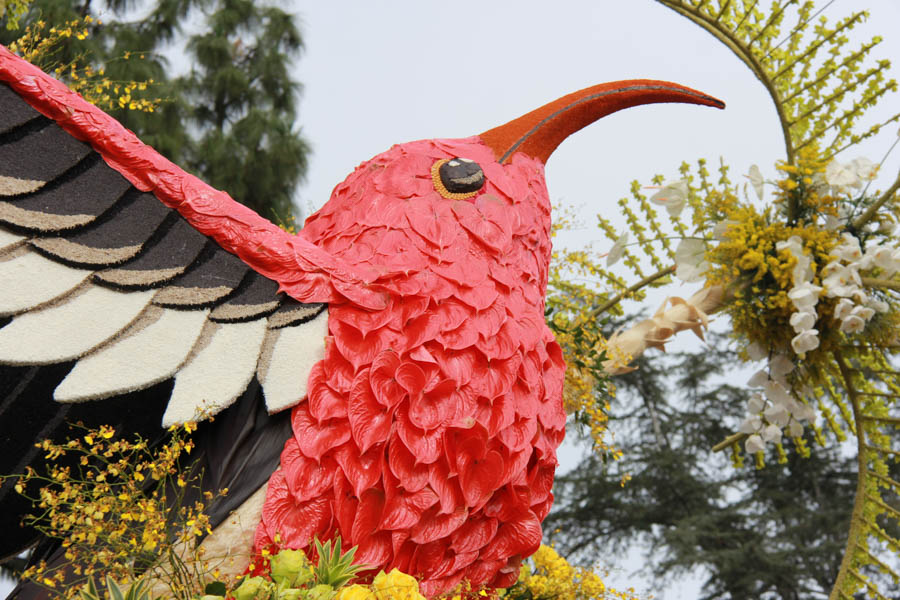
(551, 414)
(346, 504)
(373, 549)
(519, 435)
(324, 403)
(495, 377)
(406, 178)
(516, 463)
(445, 486)
(403, 550)
(418, 331)
(474, 534)
(382, 379)
(370, 421)
(508, 574)
(364, 321)
(479, 297)
(422, 355)
(491, 319)
(411, 475)
(431, 218)
(294, 521)
(313, 438)
(464, 336)
(483, 570)
(479, 477)
(368, 515)
(362, 469)
(504, 344)
(438, 407)
(338, 371)
(487, 220)
(411, 378)
(441, 585)
(357, 349)
(305, 477)
(433, 525)
(459, 365)
(522, 537)
(469, 271)
(540, 481)
(495, 415)
(432, 559)
(426, 446)
(402, 510)
(528, 398)
(453, 313)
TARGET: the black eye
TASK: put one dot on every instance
(459, 176)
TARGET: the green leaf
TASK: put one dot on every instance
(215, 588)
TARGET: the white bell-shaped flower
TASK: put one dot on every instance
(754, 444)
(805, 341)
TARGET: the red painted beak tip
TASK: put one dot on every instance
(539, 132)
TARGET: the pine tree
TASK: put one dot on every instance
(230, 118)
(777, 532)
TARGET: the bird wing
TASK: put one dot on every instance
(134, 295)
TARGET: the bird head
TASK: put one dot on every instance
(435, 203)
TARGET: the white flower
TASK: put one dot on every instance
(805, 341)
(849, 250)
(843, 308)
(878, 305)
(617, 251)
(776, 393)
(863, 312)
(772, 433)
(841, 176)
(756, 404)
(751, 425)
(690, 265)
(756, 180)
(802, 272)
(840, 280)
(803, 321)
(864, 168)
(759, 379)
(793, 244)
(777, 414)
(756, 352)
(852, 324)
(795, 428)
(804, 412)
(780, 365)
(754, 444)
(883, 258)
(804, 295)
(673, 196)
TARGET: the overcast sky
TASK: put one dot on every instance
(379, 73)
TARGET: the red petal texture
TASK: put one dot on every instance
(440, 412)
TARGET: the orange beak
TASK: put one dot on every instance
(539, 132)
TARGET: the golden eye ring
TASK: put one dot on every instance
(457, 178)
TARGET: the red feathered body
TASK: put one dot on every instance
(430, 431)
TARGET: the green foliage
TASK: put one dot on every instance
(230, 119)
(335, 568)
(775, 532)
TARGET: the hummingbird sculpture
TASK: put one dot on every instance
(385, 375)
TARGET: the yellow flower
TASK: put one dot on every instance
(396, 586)
(355, 592)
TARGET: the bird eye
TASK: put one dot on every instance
(457, 178)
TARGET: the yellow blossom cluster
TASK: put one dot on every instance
(41, 45)
(113, 505)
(547, 575)
(747, 260)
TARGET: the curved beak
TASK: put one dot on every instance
(539, 132)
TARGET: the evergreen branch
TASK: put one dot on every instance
(865, 581)
(886, 197)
